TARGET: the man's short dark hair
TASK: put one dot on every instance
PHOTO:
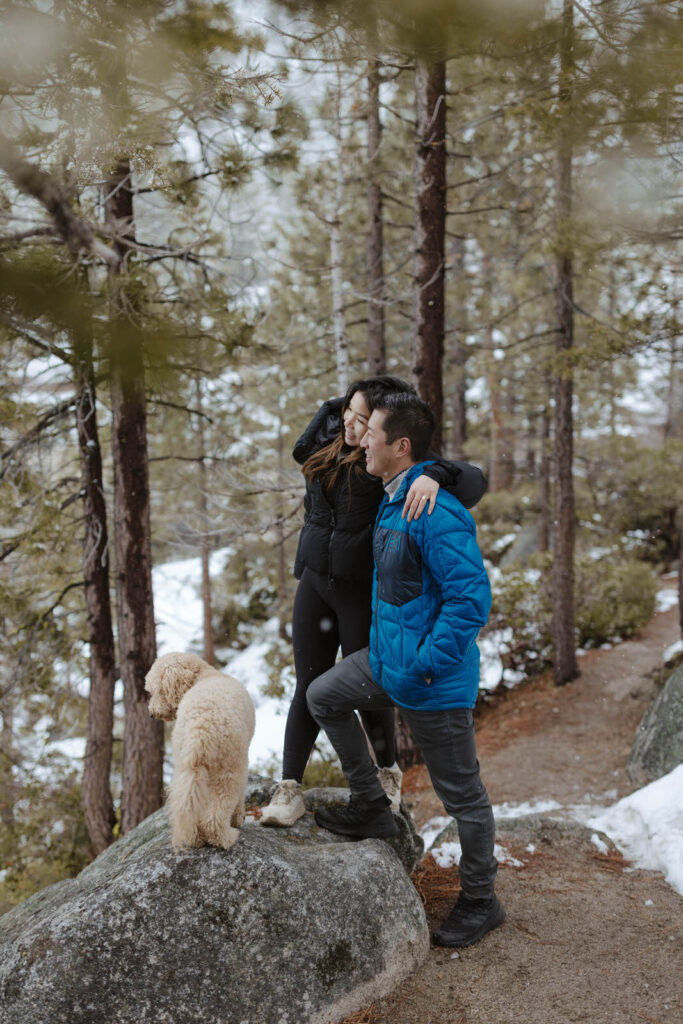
(406, 415)
(384, 384)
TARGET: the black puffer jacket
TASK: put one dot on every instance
(336, 539)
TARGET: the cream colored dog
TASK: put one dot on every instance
(214, 725)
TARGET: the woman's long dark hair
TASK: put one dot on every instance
(327, 463)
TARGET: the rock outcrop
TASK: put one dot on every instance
(658, 745)
(292, 926)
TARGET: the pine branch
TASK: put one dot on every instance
(180, 408)
(14, 240)
(33, 181)
(30, 335)
(78, 585)
(34, 433)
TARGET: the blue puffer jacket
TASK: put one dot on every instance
(431, 596)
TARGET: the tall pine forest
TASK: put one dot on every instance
(214, 217)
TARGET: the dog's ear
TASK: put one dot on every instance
(153, 678)
(177, 673)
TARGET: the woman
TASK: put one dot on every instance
(334, 566)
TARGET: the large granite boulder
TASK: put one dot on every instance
(290, 926)
(408, 845)
(658, 745)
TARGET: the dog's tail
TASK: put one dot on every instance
(188, 798)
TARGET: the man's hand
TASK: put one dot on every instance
(422, 493)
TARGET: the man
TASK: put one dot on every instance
(431, 596)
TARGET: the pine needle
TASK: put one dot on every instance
(435, 883)
(613, 860)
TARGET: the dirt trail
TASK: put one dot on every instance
(587, 938)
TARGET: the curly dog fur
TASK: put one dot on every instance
(214, 718)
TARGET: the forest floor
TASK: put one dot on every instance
(587, 937)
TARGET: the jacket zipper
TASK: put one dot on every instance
(330, 577)
(380, 510)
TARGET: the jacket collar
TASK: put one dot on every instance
(413, 473)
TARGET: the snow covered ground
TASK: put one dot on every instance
(646, 826)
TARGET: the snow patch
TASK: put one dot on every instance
(431, 829)
(503, 856)
(647, 827)
(599, 844)
(447, 855)
(522, 810)
(671, 651)
(666, 599)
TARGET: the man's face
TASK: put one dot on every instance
(380, 457)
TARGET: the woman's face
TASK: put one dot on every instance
(356, 416)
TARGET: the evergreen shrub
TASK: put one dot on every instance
(631, 490)
(500, 515)
(324, 772)
(614, 599)
(47, 840)
(521, 614)
(253, 611)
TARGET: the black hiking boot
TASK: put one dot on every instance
(362, 819)
(469, 921)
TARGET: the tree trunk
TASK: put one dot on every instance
(493, 384)
(458, 351)
(544, 483)
(564, 653)
(280, 530)
(430, 231)
(531, 445)
(98, 804)
(501, 445)
(7, 788)
(407, 750)
(508, 437)
(143, 736)
(204, 545)
(673, 427)
(680, 566)
(375, 243)
(341, 345)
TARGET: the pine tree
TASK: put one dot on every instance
(430, 226)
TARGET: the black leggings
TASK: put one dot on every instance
(324, 617)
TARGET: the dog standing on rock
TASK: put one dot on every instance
(215, 719)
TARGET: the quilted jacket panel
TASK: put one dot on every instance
(431, 596)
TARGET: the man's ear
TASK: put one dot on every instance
(403, 446)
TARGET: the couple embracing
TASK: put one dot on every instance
(376, 495)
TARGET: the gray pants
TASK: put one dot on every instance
(446, 739)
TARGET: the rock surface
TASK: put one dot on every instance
(531, 828)
(291, 926)
(525, 544)
(658, 745)
(408, 845)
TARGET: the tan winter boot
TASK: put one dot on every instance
(286, 805)
(391, 784)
